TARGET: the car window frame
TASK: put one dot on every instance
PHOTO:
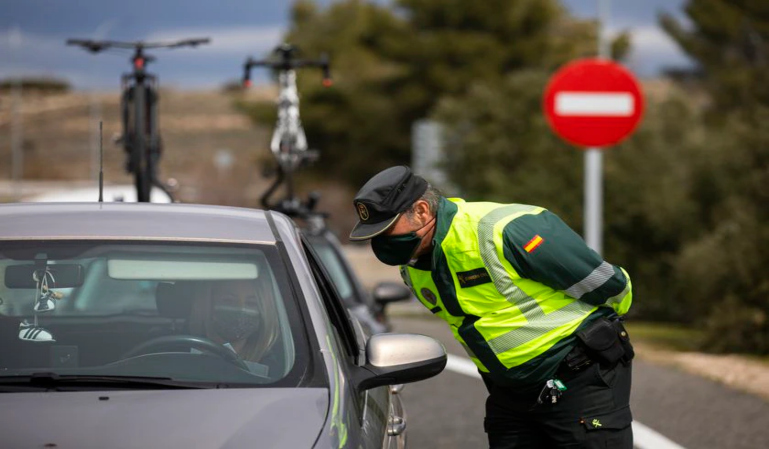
(360, 295)
(337, 311)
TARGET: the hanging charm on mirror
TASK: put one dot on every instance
(45, 301)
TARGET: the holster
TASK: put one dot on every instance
(607, 342)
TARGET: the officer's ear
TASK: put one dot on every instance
(422, 210)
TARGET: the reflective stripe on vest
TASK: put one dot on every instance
(538, 323)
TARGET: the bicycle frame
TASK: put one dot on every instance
(288, 143)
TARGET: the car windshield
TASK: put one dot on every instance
(208, 314)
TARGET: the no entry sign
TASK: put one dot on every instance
(593, 103)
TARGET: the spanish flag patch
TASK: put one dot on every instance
(533, 243)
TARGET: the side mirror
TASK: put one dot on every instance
(387, 292)
(393, 359)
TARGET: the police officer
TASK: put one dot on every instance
(536, 309)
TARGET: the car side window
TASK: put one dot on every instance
(336, 310)
(333, 264)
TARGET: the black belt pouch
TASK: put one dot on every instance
(624, 339)
(602, 342)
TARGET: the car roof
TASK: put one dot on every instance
(111, 193)
(134, 221)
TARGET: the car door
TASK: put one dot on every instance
(373, 409)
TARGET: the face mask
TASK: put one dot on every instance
(234, 323)
(397, 249)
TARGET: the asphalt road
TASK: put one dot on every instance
(447, 411)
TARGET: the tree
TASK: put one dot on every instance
(724, 267)
(729, 40)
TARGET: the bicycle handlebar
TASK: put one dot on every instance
(287, 61)
(97, 46)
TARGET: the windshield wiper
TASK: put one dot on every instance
(49, 380)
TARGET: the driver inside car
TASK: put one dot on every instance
(240, 315)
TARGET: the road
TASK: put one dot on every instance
(691, 412)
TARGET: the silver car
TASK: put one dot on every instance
(147, 325)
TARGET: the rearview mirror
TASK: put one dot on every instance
(64, 275)
(387, 292)
(398, 359)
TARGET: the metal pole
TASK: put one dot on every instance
(593, 211)
(95, 112)
(95, 108)
(594, 199)
(604, 45)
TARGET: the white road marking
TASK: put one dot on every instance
(643, 436)
(594, 104)
(647, 438)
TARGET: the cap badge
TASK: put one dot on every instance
(362, 211)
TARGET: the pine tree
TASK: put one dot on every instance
(724, 268)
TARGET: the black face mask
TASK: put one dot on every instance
(397, 249)
(234, 323)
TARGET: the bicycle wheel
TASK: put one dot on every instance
(142, 181)
(129, 130)
(153, 135)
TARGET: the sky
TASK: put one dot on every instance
(33, 32)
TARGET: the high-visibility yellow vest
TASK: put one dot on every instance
(501, 319)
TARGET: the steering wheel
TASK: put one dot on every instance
(192, 341)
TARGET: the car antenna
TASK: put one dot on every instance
(101, 165)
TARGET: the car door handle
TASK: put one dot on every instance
(396, 426)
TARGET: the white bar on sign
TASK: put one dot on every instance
(594, 104)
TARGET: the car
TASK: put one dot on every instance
(118, 193)
(176, 325)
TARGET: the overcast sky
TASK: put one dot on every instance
(237, 27)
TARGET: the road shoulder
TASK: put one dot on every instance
(735, 371)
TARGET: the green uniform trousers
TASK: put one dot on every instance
(594, 412)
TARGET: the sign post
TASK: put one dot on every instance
(593, 207)
(593, 104)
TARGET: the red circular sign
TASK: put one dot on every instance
(593, 103)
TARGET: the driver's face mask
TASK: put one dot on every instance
(234, 323)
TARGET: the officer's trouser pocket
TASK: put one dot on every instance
(609, 430)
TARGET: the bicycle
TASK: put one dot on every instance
(138, 104)
(288, 143)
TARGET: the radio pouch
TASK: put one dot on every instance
(602, 342)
